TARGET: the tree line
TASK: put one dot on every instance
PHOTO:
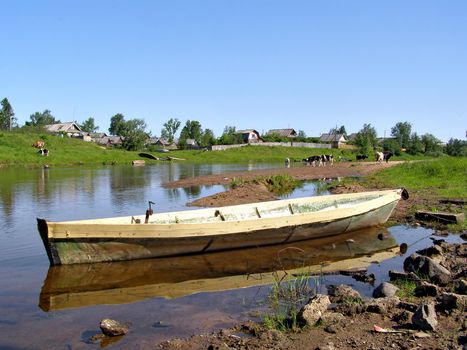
(135, 136)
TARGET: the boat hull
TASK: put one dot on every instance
(90, 249)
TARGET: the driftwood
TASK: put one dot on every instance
(445, 218)
(453, 201)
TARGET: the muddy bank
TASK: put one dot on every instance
(251, 193)
(428, 315)
(344, 169)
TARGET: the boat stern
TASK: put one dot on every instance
(43, 228)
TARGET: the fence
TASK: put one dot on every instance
(283, 144)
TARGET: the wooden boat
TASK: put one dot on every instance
(206, 230)
(79, 285)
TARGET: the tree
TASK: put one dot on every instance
(117, 124)
(170, 129)
(134, 135)
(191, 130)
(132, 131)
(230, 136)
(456, 148)
(391, 145)
(337, 130)
(401, 131)
(415, 145)
(430, 144)
(7, 119)
(89, 125)
(275, 137)
(366, 139)
(208, 139)
(41, 119)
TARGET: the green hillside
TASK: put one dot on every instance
(16, 150)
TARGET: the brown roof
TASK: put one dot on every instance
(283, 132)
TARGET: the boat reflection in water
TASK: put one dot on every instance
(69, 286)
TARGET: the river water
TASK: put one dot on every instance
(61, 307)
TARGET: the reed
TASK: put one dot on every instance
(287, 296)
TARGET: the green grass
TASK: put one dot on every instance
(16, 150)
(259, 154)
(286, 297)
(445, 176)
(278, 184)
(406, 289)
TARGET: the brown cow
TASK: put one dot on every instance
(38, 144)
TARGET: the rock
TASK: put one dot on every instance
(328, 346)
(113, 328)
(381, 305)
(407, 306)
(425, 317)
(312, 312)
(342, 293)
(421, 335)
(397, 275)
(431, 251)
(460, 286)
(333, 321)
(425, 266)
(425, 289)
(363, 277)
(385, 289)
(403, 317)
(449, 301)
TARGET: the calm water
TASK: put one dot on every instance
(60, 308)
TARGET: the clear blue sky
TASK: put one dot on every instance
(260, 64)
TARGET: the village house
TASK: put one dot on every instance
(161, 143)
(250, 136)
(289, 133)
(108, 141)
(336, 140)
(71, 129)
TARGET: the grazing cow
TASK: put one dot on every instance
(43, 152)
(387, 155)
(379, 156)
(383, 156)
(361, 157)
(327, 158)
(312, 160)
(38, 144)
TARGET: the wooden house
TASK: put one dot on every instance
(250, 136)
(336, 140)
(289, 133)
(71, 129)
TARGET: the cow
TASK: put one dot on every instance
(327, 158)
(361, 157)
(379, 156)
(38, 144)
(383, 156)
(387, 155)
(43, 152)
(312, 160)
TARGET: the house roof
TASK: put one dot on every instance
(63, 127)
(191, 142)
(247, 131)
(282, 132)
(332, 137)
